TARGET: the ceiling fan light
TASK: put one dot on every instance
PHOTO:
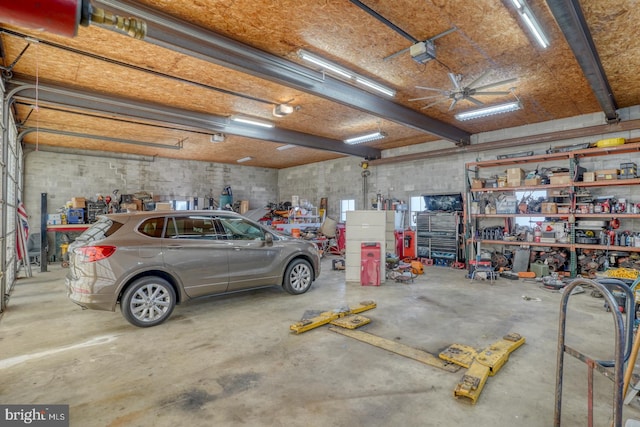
(365, 138)
(489, 111)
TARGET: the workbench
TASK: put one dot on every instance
(64, 233)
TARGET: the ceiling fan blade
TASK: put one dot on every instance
(431, 88)
(453, 104)
(504, 92)
(435, 103)
(503, 82)
(425, 97)
(479, 78)
(454, 80)
(475, 101)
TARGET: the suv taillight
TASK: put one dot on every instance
(95, 253)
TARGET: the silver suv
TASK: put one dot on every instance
(151, 261)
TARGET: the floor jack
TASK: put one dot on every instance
(479, 365)
(333, 316)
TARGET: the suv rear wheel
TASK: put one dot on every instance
(298, 277)
(148, 301)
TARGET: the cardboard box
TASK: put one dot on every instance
(129, 206)
(589, 176)
(515, 177)
(477, 183)
(54, 219)
(560, 178)
(550, 208)
(515, 173)
(244, 206)
(163, 206)
(78, 202)
(533, 181)
(606, 174)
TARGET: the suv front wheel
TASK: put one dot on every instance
(148, 301)
(298, 277)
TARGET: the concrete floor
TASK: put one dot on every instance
(232, 360)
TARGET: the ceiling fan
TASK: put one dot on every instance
(460, 92)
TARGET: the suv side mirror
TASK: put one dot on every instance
(268, 239)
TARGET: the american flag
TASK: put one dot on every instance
(24, 221)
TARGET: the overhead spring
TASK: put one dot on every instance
(132, 26)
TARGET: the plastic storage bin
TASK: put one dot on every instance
(75, 216)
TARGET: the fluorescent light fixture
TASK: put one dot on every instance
(489, 111)
(285, 147)
(327, 65)
(365, 138)
(376, 86)
(252, 121)
(244, 159)
(323, 63)
(532, 23)
(282, 110)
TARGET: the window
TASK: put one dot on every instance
(416, 205)
(346, 205)
(191, 227)
(533, 195)
(152, 227)
(239, 229)
(104, 227)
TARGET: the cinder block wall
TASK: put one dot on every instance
(63, 176)
(341, 179)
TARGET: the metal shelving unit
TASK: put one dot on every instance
(572, 159)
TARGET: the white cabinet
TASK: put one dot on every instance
(367, 226)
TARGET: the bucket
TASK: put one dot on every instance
(295, 232)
